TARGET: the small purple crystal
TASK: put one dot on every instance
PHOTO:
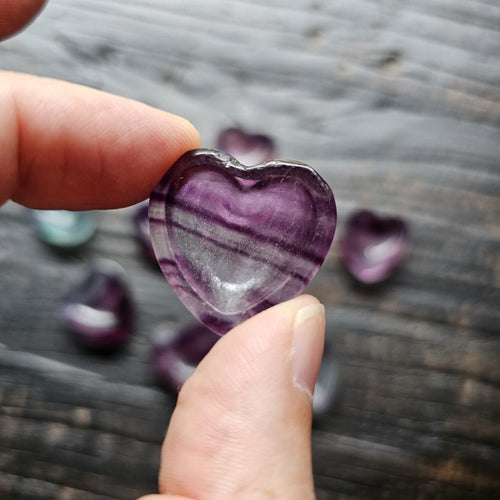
(141, 223)
(100, 310)
(234, 240)
(176, 353)
(373, 246)
(248, 149)
(325, 392)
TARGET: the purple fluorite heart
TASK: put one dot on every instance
(373, 246)
(176, 353)
(234, 240)
(100, 309)
(249, 149)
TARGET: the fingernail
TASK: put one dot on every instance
(307, 345)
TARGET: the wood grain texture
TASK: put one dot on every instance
(397, 104)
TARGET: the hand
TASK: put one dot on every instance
(67, 146)
(242, 424)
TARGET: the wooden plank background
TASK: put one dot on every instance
(397, 104)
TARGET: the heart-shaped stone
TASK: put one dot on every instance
(249, 149)
(372, 246)
(177, 352)
(234, 240)
(100, 309)
(64, 229)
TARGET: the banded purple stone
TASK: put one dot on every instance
(248, 149)
(372, 246)
(100, 309)
(234, 240)
(177, 352)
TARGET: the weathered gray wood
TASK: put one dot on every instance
(397, 104)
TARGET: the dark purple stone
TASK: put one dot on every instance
(176, 353)
(325, 391)
(234, 240)
(248, 149)
(141, 224)
(100, 309)
(373, 246)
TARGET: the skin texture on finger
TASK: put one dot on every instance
(16, 14)
(242, 426)
(68, 146)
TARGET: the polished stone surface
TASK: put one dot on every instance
(65, 229)
(372, 247)
(177, 352)
(248, 149)
(100, 310)
(233, 241)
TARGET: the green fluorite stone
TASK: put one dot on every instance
(65, 229)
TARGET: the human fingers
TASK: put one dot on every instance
(242, 424)
(15, 14)
(68, 146)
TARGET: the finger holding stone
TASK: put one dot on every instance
(68, 146)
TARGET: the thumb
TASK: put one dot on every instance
(242, 425)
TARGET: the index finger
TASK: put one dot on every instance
(67, 146)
